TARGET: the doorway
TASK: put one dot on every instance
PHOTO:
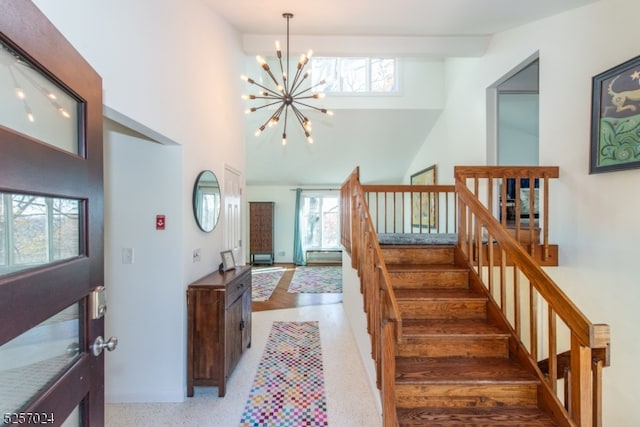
(513, 116)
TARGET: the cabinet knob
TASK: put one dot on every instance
(242, 325)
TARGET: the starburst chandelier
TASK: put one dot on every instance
(288, 94)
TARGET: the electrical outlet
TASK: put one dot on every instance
(282, 253)
(196, 255)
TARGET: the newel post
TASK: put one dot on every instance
(389, 416)
(581, 404)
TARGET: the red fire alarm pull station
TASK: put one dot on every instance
(160, 223)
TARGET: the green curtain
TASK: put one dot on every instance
(298, 253)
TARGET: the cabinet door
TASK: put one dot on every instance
(233, 336)
(246, 319)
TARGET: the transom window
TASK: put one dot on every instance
(354, 75)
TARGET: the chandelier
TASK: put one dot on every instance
(288, 94)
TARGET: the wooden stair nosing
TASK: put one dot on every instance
(461, 370)
(451, 327)
(474, 417)
(438, 294)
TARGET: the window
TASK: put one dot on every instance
(320, 226)
(354, 75)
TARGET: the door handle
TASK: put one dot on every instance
(100, 344)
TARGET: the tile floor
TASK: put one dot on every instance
(350, 401)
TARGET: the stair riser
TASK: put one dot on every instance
(454, 346)
(417, 256)
(455, 309)
(456, 395)
(430, 279)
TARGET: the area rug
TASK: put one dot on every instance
(264, 281)
(288, 389)
(316, 280)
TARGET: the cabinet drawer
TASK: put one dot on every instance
(235, 290)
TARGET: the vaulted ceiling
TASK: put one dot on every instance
(381, 141)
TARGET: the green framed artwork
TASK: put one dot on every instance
(424, 205)
(615, 118)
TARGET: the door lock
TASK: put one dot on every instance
(97, 303)
(100, 344)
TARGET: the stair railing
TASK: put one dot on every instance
(501, 267)
(384, 323)
(540, 314)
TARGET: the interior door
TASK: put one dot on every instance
(51, 226)
(232, 220)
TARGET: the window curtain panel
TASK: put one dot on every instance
(298, 252)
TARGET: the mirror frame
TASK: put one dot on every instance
(198, 197)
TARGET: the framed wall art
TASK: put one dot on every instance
(615, 118)
(424, 205)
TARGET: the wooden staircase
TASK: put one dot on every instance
(454, 363)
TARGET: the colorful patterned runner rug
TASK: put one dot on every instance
(316, 280)
(264, 281)
(288, 389)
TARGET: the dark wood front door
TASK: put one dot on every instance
(51, 225)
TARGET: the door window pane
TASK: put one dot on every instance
(32, 104)
(32, 360)
(37, 230)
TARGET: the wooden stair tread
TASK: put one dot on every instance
(474, 417)
(461, 370)
(430, 327)
(437, 294)
(392, 268)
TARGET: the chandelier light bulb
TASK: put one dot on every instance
(287, 93)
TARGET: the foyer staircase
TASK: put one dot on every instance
(453, 364)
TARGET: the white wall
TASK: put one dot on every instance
(593, 217)
(144, 296)
(172, 67)
(353, 306)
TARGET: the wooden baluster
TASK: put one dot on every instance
(470, 232)
(533, 320)
(479, 248)
(462, 228)
(545, 219)
(517, 321)
(402, 205)
(581, 402)
(532, 222)
(503, 278)
(553, 351)
(490, 262)
(503, 200)
(567, 390)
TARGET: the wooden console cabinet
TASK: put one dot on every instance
(261, 217)
(219, 327)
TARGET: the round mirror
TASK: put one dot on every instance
(206, 201)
